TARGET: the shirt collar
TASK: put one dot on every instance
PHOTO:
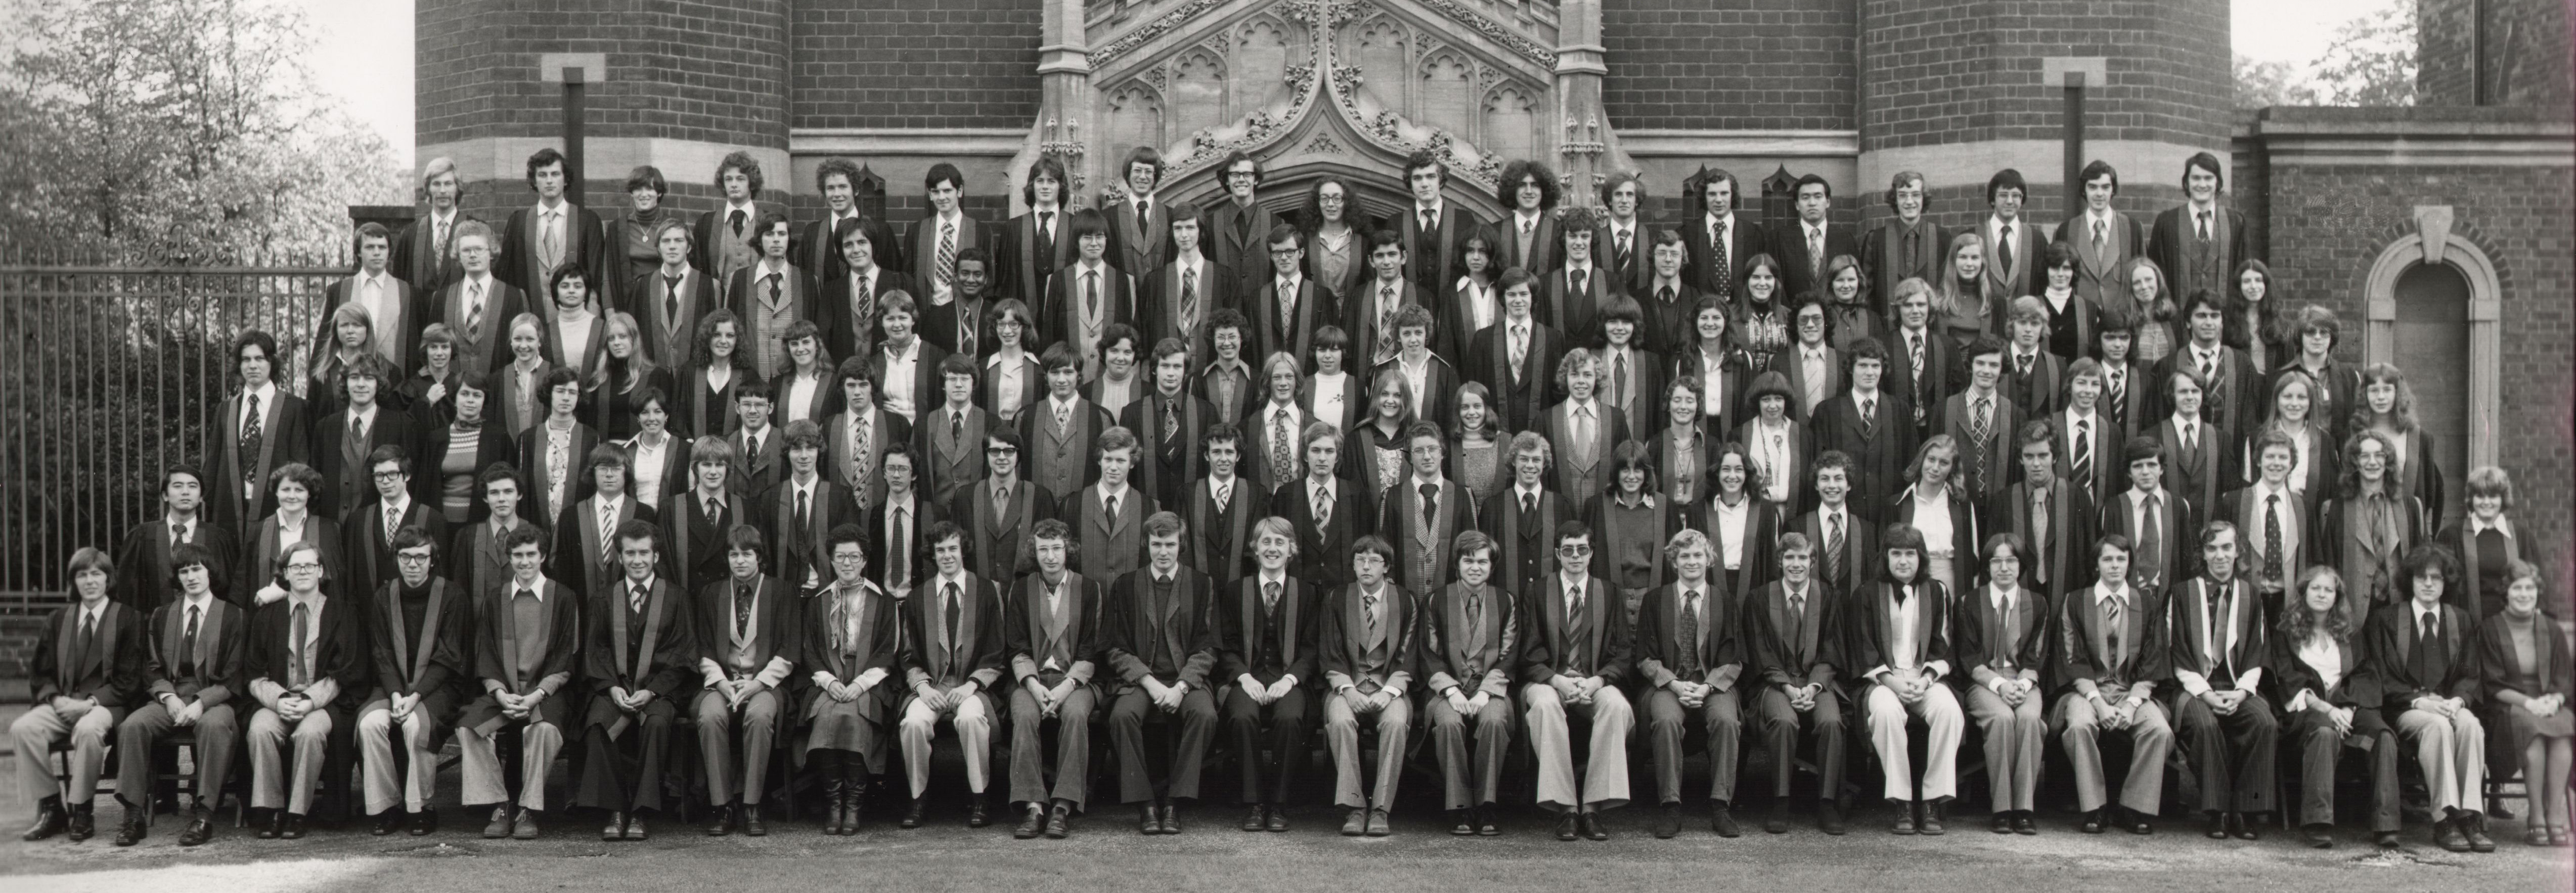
(1524, 490)
(401, 505)
(311, 603)
(2502, 525)
(804, 488)
(2106, 593)
(202, 603)
(1419, 208)
(610, 503)
(536, 589)
(957, 579)
(1324, 487)
(1279, 576)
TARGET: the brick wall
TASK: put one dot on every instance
(903, 63)
(707, 70)
(1949, 71)
(2527, 56)
(1751, 65)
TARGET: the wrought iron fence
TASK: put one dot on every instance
(111, 374)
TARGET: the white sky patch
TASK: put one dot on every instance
(2293, 31)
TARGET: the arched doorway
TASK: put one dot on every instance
(2432, 347)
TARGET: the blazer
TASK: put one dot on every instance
(1520, 392)
(1106, 546)
(1576, 314)
(1524, 541)
(1546, 250)
(2035, 394)
(430, 661)
(1060, 459)
(801, 295)
(695, 545)
(947, 457)
(142, 580)
(2180, 520)
(1861, 556)
(285, 436)
(1800, 652)
(2170, 238)
(1400, 520)
(926, 513)
(1642, 396)
(1549, 651)
(776, 627)
(2239, 507)
(2391, 632)
(1323, 548)
(1235, 617)
(213, 667)
(1869, 630)
(497, 655)
(1346, 653)
(2231, 401)
(340, 663)
(711, 235)
(1030, 635)
(1720, 644)
(1793, 365)
(1158, 307)
(1481, 657)
(1219, 543)
(2025, 275)
(2104, 438)
(2202, 475)
(1059, 312)
(1977, 633)
(921, 247)
(1314, 310)
(114, 674)
(1166, 469)
(1360, 318)
(947, 325)
(1259, 436)
(579, 540)
(850, 325)
(1564, 474)
(998, 546)
(476, 560)
(369, 550)
(1023, 257)
(1927, 393)
(1177, 647)
(585, 245)
(930, 657)
(2122, 239)
(816, 245)
(885, 429)
(2085, 657)
(654, 650)
(1438, 255)
(755, 471)
(485, 345)
(345, 486)
(1634, 270)
(1801, 272)
(417, 258)
(1880, 448)
(1133, 248)
(399, 341)
(2066, 563)
(1746, 239)
(802, 557)
(2190, 620)
(1236, 237)
(2001, 452)
(883, 629)
(1894, 251)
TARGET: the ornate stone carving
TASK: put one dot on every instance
(1162, 24)
(1347, 78)
(1492, 30)
(1325, 15)
(1324, 144)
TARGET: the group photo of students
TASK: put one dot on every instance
(2051, 527)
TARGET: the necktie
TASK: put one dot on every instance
(2101, 234)
(2084, 452)
(2004, 250)
(2208, 364)
(2151, 547)
(178, 533)
(742, 599)
(1868, 416)
(1189, 300)
(1323, 508)
(1091, 296)
(1690, 644)
(751, 447)
(2190, 441)
(1110, 506)
(1983, 419)
(956, 426)
(2222, 615)
(735, 220)
(1280, 458)
(440, 248)
(1527, 224)
(1582, 282)
(899, 551)
(1224, 493)
(1582, 445)
(1623, 249)
(862, 448)
(1430, 506)
(1834, 548)
(804, 514)
(393, 522)
(1619, 379)
(635, 598)
(2204, 226)
(2115, 391)
(2025, 363)
(188, 643)
(714, 510)
(357, 430)
(1171, 419)
(1144, 226)
(1721, 269)
(1475, 611)
(250, 441)
(1269, 597)
(1529, 503)
(554, 240)
(1519, 348)
(1286, 292)
(2039, 534)
(1797, 610)
(1815, 251)
(671, 301)
(966, 330)
(1914, 355)
(299, 665)
(947, 254)
(2112, 627)
(2428, 647)
(1063, 415)
(956, 610)
(2272, 537)
(473, 308)
(1368, 615)
(607, 533)
(1429, 223)
(776, 286)
(1664, 295)
(1046, 239)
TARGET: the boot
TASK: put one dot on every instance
(854, 795)
(51, 819)
(84, 821)
(977, 813)
(836, 808)
(132, 830)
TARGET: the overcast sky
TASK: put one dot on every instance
(364, 50)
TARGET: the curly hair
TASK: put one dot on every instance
(1507, 190)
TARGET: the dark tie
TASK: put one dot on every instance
(955, 610)
(1269, 597)
(1582, 281)
(178, 533)
(671, 302)
(2112, 627)
(2151, 547)
(735, 220)
(751, 447)
(899, 549)
(635, 598)
(956, 426)
(1690, 633)
(1323, 509)
(1189, 300)
(1721, 270)
(1429, 223)
(742, 599)
(1091, 294)
(1046, 239)
(804, 513)
(1623, 249)
(2428, 651)
(1529, 503)
(1868, 418)
(776, 284)
(1430, 506)
(250, 438)
(298, 667)
(1171, 419)
(2004, 252)
(188, 644)
(1110, 505)
(2204, 226)
(1834, 549)
(2272, 537)
(1664, 295)
(1144, 226)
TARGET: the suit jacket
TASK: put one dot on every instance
(885, 429)
(1802, 272)
(1418, 545)
(340, 663)
(2241, 508)
(1576, 314)
(1746, 239)
(997, 537)
(209, 673)
(1165, 469)
(585, 246)
(1546, 251)
(801, 557)
(1323, 549)
(1869, 629)
(142, 579)
(1135, 249)
(755, 471)
(497, 655)
(369, 548)
(1977, 634)
(579, 541)
(1942, 376)
(1060, 459)
(113, 673)
(850, 326)
(1260, 435)
(1360, 318)
(930, 656)
(1989, 466)
(1107, 546)
(1635, 270)
(776, 630)
(1023, 257)
(2104, 438)
(1177, 646)
(1237, 238)
(924, 514)
(2231, 401)
(671, 340)
(1517, 395)
(431, 661)
(1030, 634)
(476, 559)
(1220, 541)
(655, 649)
(746, 294)
(1314, 310)
(1720, 645)
(2248, 652)
(1879, 449)
(1567, 474)
(1439, 255)
(2025, 275)
(1861, 556)
(285, 436)
(2169, 244)
(2122, 239)
(1060, 311)
(399, 339)
(2065, 561)
(485, 345)
(946, 461)
(921, 247)
(1795, 652)
(2084, 648)
(1478, 657)
(2202, 475)
(1236, 618)
(944, 325)
(1158, 307)
(695, 546)
(1346, 653)
(417, 258)
(1524, 541)
(2176, 514)
(2035, 394)
(1893, 252)
(712, 237)
(1672, 326)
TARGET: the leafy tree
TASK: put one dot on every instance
(2372, 59)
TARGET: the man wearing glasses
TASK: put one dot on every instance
(418, 631)
(305, 655)
(998, 510)
(368, 530)
(1576, 657)
(1235, 227)
(1286, 304)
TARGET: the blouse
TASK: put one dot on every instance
(800, 397)
(1771, 452)
(1332, 259)
(648, 469)
(1330, 401)
(1732, 523)
(1481, 305)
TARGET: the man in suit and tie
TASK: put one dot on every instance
(1514, 357)
(1999, 640)
(640, 656)
(896, 524)
(2013, 246)
(424, 253)
(1180, 298)
(2232, 393)
(145, 561)
(1435, 232)
(759, 448)
(1369, 317)
(477, 305)
(1572, 665)
(1982, 418)
(2152, 518)
(1087, 296)
(1721, 243)
(1172, 422)
(934, 242)
(585, 552)
(2112, 652)
(723, 237)
(1812, 365)
(417, 629)
(306, 658)
(260, 429)
(1236, 226)
(801, 510)
(1690, 655)
(2429, 678)
(1907, 246)
(552, 234)
(2227, 727)
(1576, 292)
(862, 432)
(1108, 517)
(1140, 222)
(398, 309)
(2199, 245)
(1326, 513)
(1523, 516)
(818, 247)
(1870, 426)
(1365, 646)
(999, 510)
(1030, 248)
(369, 529)
(955, 656)
(1286, 309)
(669, 301)
(1844, 545)
(1271, 430)
(1060, 430)
(1921, 365)
(704, 516)
(950, 438)
(847, 311)
(964, 325)
(2275, 520)
(747, 647)
(195, 652)
(343, 439)
(1625, 244)
(1804, 251)
(1795, 628)
(2101, 235)
(1264, 627)
(1221, 507)
(2050, 511)
(2084, 434)
(527, 643)
(1472, 636)
(88, 670)
(1051, 634)
(1423, 514)
(1529, 232)
(1155, 636)
(2033, 377)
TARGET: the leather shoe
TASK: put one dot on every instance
(1149, 819)
(1059, 821)
(131, 831)
(84, 823)
(751, 823)
(2217, 829)
(616, 829)
(978, 812)
(2001, 823)
(2474, 826)
(1829, 816)
(51, 819)
(720, 820)
(1486, 824)
(1721, 819)
(1378, 826)
(1463, 822)
(424, 822)
(2025, 824)
(387, 823)
(1778, 821)
(2093, 821)
(2447, 835)
(1590, 824)
(1256, 817)
(1934, 813)
(2386, 840)
(2248, 826)
(635, 826)
(294, 826)
(912, 815)
(1568, 825)
(1171, 818)
(523, 825)
(276, 826)
(1668, 825)
(1032, 822)
(1905, 818)
(1278, 818)
(500, 825)
(2318, 836)
(2137, 822)
(1356, 823)
(200, 829)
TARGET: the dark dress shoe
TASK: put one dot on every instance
(1032, 822)
(720, 821)
(1906, 818)
(500, 825)
(2217, 829)
(1171, 817)
(2318, 836)
(1059, 821)
(635, 826)
(294, 826)
(387, 823)
(84, 823)
(1278, 819)
(2247, 826)
(912, 815)
(616, 829)
(1829, 816)
(2001, 823)
(1721, 819)
(1149, 819)
(2386, 840)
(1778, 821)
(1256, 817)
(2447, 835)
(424, 822)
(2025, 824)
(2474, 826)
(275, 827)
(523, 825)
(1590, 824)
(1486, 824)
(1378, 826)
(978, 812)
(751, 823)
(1934, 814)
(131, 831)
(2137, 822)
(51, 819)
(1462, 822)
(200, 829)
(1668, 824)
(2093, 821)
(1569, 825)
(1356, 823)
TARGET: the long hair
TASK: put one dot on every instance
(1507, 190)
(2401, 413)
(617, 374)
(2158, 309)
(1313, 214)
(1394, 378)
(705, 354)
(1948, 294)
(2298, 621)
(2268, 325)
(324, 353)
(1753, 482)
(2350, 486)
(1492, 429)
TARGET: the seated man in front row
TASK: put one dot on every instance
(1365, 648)
(87, 669)
(1052, 627)
(1690, 648)
(1471, 638)
(639, 656)
(305, 656)
(747, 642)
(196, 653)
(2112, 651)
(1155, 635)
(1264, 626)
(1795, 626)
(527, 640)
(953, 630)
(420, 627)
(1573, 662)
